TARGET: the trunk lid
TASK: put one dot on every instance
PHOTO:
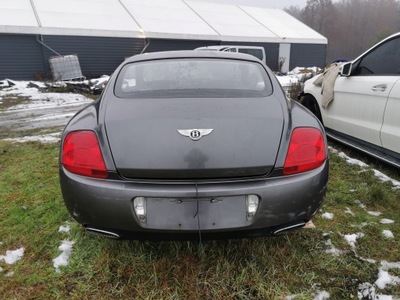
(145, 142)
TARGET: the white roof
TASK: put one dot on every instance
(172, 18)
(106, 17)
(178, 19)
(17, 13)
(284, 25)
(231, 22)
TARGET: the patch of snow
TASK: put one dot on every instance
(48, 100)
(352, 161)
(52, 117)
(384, 279)
(9, 274)
(64, 228)
(388, 234)
(386, 221)
(62, 259)
(12, 257)
(386, 297)
(332, 249)
(348, 211)
(327, 216)
(352, 238)
(385, 265)
(333, 150)
(360, 204)
(287, 81)
(291, 297)
(368, 260)
(378, 174)
(48, 138)
(374, 213)
(304, 70)
(322, 295)
(384, 178)
(39, 99)
(367, 291)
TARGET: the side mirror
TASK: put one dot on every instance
(345, 70)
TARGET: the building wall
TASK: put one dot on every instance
(97, 55)
(21, 57)
(307, 55)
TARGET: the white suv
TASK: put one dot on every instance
(359, 102)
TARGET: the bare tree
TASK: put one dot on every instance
(293, 10)
(351, 26)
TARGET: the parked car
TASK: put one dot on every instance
(192, 144)
(256, 51)
(363, 109)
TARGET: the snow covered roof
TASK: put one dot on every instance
(104, 16)
(179, 19)
(231, 22)
(284, 25)
(169, 18)
(16, 13)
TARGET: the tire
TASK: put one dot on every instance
(309, 102)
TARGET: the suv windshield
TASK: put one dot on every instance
(194, 77)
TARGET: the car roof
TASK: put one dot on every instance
(218, 47)
(191, 54)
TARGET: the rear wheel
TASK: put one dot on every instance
(310, 102)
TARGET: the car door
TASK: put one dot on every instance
(390, 133)
(360, 99)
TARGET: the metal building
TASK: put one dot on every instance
(104, 32)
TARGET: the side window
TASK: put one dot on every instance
(230, 50)
(384, 60)
(255, 52)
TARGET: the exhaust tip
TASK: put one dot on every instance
(102, 233)
(285, 229)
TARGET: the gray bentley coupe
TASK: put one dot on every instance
(192, 144)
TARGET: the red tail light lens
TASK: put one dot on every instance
(306, 151)
(81, 154)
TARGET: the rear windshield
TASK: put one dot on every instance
(188, 78)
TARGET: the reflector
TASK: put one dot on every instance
(139, 204)
(251, 206)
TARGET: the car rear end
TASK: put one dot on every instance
(185, 143)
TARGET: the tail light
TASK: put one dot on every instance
(306, 152)
(81, 154)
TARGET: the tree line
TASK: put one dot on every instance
(351, 26)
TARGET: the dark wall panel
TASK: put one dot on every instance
(271, 52)
(307, 55)
(97, 55)
(21, 57)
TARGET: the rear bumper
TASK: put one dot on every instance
(108, 205)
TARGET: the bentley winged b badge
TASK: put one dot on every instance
(195, 134)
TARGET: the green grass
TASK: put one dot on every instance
(32, 210)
